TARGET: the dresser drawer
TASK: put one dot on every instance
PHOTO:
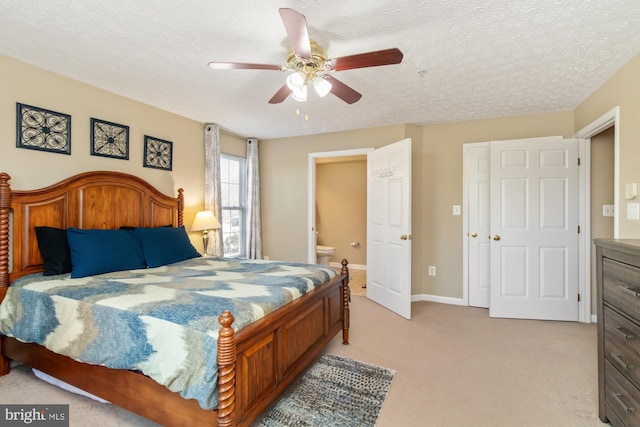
(613, 418)
(622, 344)
(621, 286)
(621, 396)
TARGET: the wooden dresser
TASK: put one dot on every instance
(618, 277)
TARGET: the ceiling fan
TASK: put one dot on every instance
(310, 66)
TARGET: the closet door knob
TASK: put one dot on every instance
(474, 234)
(496, 237)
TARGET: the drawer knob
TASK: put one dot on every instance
(618, 398)
(620, 362)
(634, 292)
(628, 335)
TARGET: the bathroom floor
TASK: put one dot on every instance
(358, 279)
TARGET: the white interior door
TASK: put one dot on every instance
(389, 227)
(478, 219)
(534, 228)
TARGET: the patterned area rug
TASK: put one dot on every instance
(335, 391)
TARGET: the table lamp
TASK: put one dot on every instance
(205, 221)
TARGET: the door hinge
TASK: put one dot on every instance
(578, 229)
(578, 297)
(578, 161)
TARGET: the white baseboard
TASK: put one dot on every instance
(436, 298)
(350, 266)
(459, 301)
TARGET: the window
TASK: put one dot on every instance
(232, 173)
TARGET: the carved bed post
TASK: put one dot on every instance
(226, 371)
(345, 303)
(5, 204)
(180, 207)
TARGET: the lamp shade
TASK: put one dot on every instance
(300, 94)
(205, 220)
(322, 86)
(296, 80)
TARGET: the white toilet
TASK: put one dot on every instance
(324, 253)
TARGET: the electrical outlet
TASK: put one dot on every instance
(432, 270)
(608, 210)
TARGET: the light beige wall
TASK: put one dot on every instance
(284, 179)
(233, 144)
(623, 90)
(342, 184)
(32, 169)
(602, 191)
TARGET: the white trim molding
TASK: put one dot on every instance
(437, 298)
(311, 202)
(605, 121)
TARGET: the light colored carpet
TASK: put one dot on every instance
(454, 366)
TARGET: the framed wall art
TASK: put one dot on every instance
(109, 139)
(158, 153)
(41, 129)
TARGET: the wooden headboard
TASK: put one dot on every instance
(106, 200)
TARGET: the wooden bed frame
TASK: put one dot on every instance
(255, 364)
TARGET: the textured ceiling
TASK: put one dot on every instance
(463, 59)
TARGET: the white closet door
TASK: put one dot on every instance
(534, 229)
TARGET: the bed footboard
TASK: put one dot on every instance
(273, 351)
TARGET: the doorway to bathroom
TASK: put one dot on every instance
(386, 220)
(339, 178)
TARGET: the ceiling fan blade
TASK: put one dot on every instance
(280, 95)
(242, 66)
(296, 26)
(343, 91)
(369, 59)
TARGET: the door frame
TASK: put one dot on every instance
(605, 121)
(311, 204)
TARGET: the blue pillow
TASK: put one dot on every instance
(165, 245)
(103, 251)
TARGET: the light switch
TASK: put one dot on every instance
(633, 211)
(456, 209)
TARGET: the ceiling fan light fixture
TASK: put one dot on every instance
(296, 80)
(308, 62)
(300, 94)
(322, 86)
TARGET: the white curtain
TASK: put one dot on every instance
(212, 188)
(254, 223)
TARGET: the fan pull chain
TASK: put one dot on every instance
(306, 114)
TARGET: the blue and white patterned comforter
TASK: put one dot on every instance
(161, 321)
